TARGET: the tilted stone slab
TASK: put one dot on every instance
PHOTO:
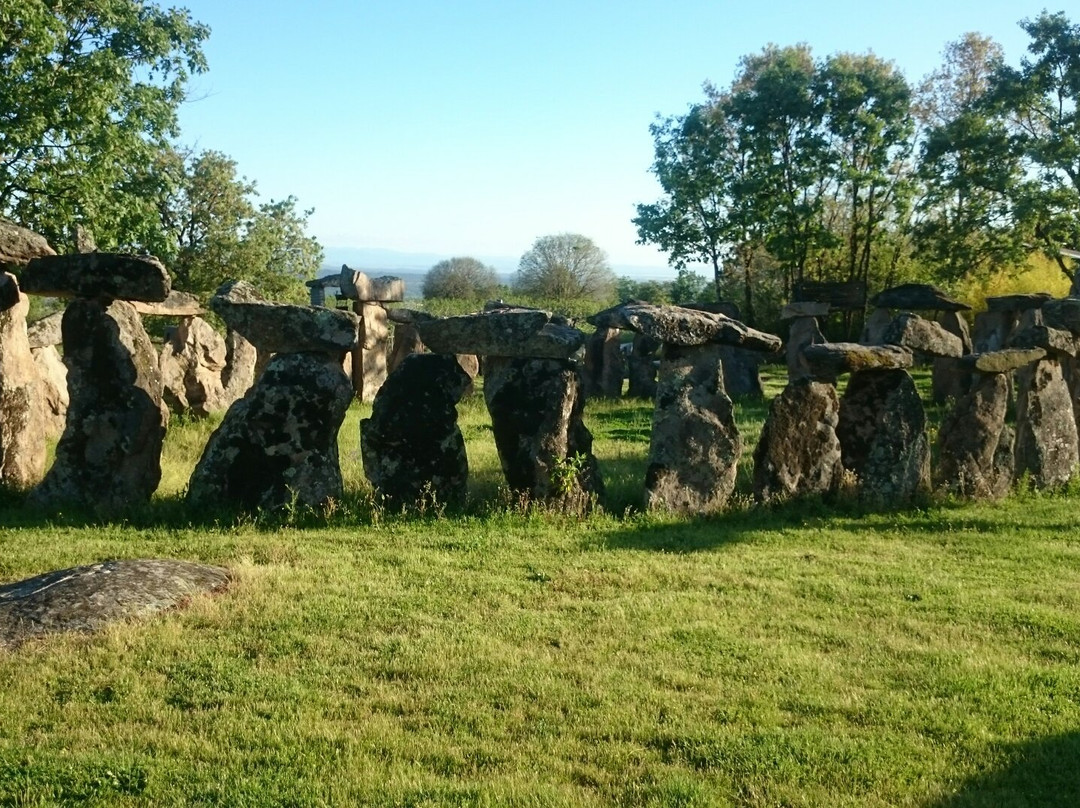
(405, 316)
(502, 332)
(1055, 341)
(604, 367)
(46, 331)
(1017, 303)
(177, 304)
(1063, 313)
(88, 598)
(283, 327)
(19, 246)
(677, 325)
(919, 334)
(792, 311)
(1004, 361)
(357, 285)
(918, 296)
(827, 360)
(975, 445)
(114, 276)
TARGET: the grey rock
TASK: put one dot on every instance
(47, 331)
(992, 330)
(1055, 341)
(177, 304)
(52, 376)
(1046, 438)
(356, 285)
(798, 453)
(278, 444)
(406, 342)
(370, 351)
(191, 363)
(950, 379)
(828, 360)
(605, 366)
(918, 334)
(1017, 303)
(408, 316)
(88, 598)
(238, 375)
(917, 296)
(22, 416)
(974, 440)
(678, 325)
(695, 445)
(741, 376)
(1002, 361)
(641, 367)
(799, 310)
(109, 456)
(9, 291)
(503, 332)
(411, 446)
(18, 246)
(803, 331)
(1063, 313)
(876, 325)
(112, 276)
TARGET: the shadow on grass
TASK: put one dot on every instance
(1040, 773)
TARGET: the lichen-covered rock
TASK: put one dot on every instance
(18, 246)
(238, 375)
(177, 304)
(109, 456)
(803, 309)
(950, 379)
(22, 416)
(371, 349)
(356, 285)
(974, 440)
(47, 331)
(804, 331)
(1001, 361)
(741, 376)
(191, 364)
(695, 445)
(1064, 313)
(798, 453)
(411, 446)
(641, 366)
(406, 342)
(1046, 439)
(678, 325)
(278, 444)
(605, 366)
(52, 376)
(112, 276)
(922, 335)
(882, 432)
(88, 598)
(876, 325)
(1055, 341)
(505, 332)
(917, 296)
(283, 327)
(827, 360)
(536, 415)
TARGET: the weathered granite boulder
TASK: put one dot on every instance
(19, 246)
(1063, 313)
(88, 598)
(992, 330)
(111, 276)
(975, 445)
(827, 360)
(1002, 361)
(741, 376)
(411, 445)
(695, 445)
(876, 325)
(278, 444)
(369, 353)
(52, 376)
(1046, 439)
(883, 440)
(283, 327)
(641, 367)
(505, 332)
(1017, 303)
(917, 296)
(536, 415)
(799, 453)
(949, 379)
(605, 366)
(191, 363)
(803, 331)
(1055, 341)
(177, 304)
(679, 325)
(406, 342)
(925, 336)
(356, 285)
(238, 375)
(109, 456)
(47, 331)
(22, 417)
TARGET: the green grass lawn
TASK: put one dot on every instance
(806, 654)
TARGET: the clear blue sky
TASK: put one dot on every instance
(471, 127)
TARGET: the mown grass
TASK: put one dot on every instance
(806, 654)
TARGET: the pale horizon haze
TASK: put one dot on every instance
(474, 127)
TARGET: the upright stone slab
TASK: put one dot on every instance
(191, 364)
(536, 407)
(882, 431)
(605, 367)
(741, 376)
(238, 375)
(948, 378)
(109, 456)
(992, 330)
(52, 376)
(411, 445)
(695, 445)
(406, 342)
(975, 445)
(641, 367)
(1046, 438)
(22, 415)
(803, 331)
(278, 444)
(876, 325)
(799, 453)
(372, 345)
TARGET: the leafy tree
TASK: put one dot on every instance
(565, 266)
(88, 97)
(460, 278)
(690, 287)
(627, 289)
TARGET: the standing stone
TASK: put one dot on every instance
(992, 329)
(641, 367)
(1046, 439)
(803, 331)
(695, 445)
(191, 365)
(536, 415)
(109, 456)
(882, 431)
(948, 378)
(411, 445)
(975, 445)
(374, 336)
(22, 416)
(470, 363)
(875, 327)
(52, 375)
(406, 342)
(799, 453)
(238, 375)
(278, 444)
(741, 377)
(604, 365)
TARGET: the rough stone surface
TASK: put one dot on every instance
(9, 291)
(191, 363)
(411, 446)
(1063, 313)
(641, 366)
(504, 332)
(876, 325)
(950, 379)
(406, 342)
(88, 598)
(799, 310)
(695, 444)
(605, 366)
(799, 453)
(992, 330)
(283, 327)
(356, 285)
(177, 304)
(109, 456)
(278, 444)
(975, 446)
(679, 325)
(803, 331)
(882, 431)
(1002, 361)
(828, 360)
(917, 296)
(22, 416)
(925, 336)
(370, 351)
(1017, 303)
(238, 375)
(536, 415)
(52, 376)
(741, 377)
(47, 331)
(113, 276)
(19, 246)
(1055, 341)
(1046, 439)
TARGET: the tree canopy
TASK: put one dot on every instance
(460, 278)
(566, 266)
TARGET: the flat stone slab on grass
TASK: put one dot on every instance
(827, 360)
(919, 296)
(90, 597)
(507, 332)
(678, 325)
(116, 276)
